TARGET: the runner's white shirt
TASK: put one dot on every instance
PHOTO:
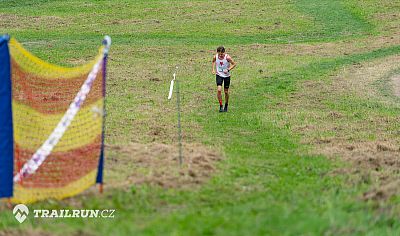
(222, 65)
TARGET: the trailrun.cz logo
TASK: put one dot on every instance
(21, 212)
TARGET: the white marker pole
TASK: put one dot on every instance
(178, 106)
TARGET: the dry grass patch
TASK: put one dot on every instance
(324, 114)
(11, 21)
(158, 164)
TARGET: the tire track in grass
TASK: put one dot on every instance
(333, 19)
(283, 84)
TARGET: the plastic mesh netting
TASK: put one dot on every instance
(58, 123)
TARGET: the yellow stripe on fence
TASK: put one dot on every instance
(32, 128)
(32, 64)
(29, 195)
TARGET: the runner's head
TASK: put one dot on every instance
(221, 51)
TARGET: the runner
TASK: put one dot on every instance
(222, 64)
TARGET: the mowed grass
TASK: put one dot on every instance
(268, 183)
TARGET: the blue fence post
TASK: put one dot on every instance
(6, 122)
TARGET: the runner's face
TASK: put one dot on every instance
(221, 54)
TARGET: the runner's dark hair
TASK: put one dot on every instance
(221, 49)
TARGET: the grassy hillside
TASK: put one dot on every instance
(313, 81)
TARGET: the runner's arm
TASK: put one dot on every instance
(233, 64)
(213, 65)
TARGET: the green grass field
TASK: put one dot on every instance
(310, 145)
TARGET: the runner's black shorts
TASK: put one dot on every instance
(226, 80)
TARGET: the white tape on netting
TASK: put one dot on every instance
(44, 151)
